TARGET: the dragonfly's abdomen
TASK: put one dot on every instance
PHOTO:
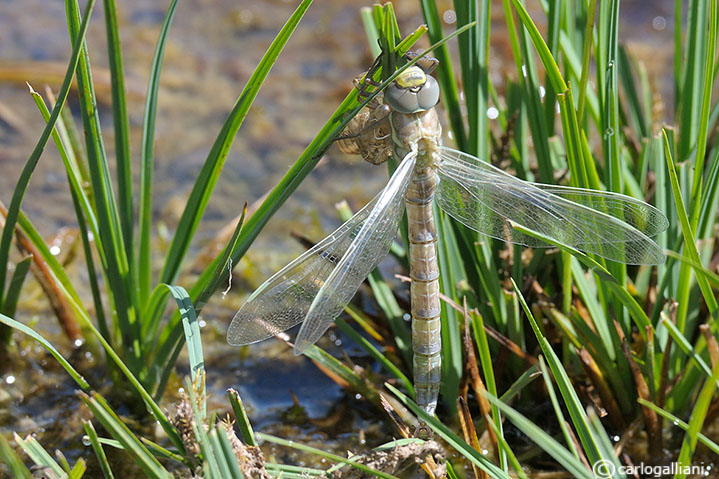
(424, 272)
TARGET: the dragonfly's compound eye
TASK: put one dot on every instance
(413, 99)
(428, 95)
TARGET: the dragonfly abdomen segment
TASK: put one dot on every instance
(424, 272)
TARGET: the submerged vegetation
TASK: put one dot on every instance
(600, 365)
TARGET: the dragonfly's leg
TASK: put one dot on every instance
(428, 64)
(363, 82)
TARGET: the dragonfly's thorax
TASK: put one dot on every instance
(420, 131)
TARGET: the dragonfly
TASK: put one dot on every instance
(316, 287)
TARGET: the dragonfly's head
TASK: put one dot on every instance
(412, 91)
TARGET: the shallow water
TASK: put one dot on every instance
(208, 60)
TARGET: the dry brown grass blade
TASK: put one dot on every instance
(404, 430)
(12, 119)
(651, 420)
(41, 271)
(603, 389)
(470, 433)
(54, 72)
(712, 345)
(476, 381)
(577, 445)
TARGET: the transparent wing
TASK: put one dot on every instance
(486, 199)
(367, 249)
(632, 211)
(283, 300)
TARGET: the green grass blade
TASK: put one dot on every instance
(545, 55)
(676, 421)
(57, 270)
(557, 409)
(636, 112)
(75, 174)
(445, 72)
(347, 374)
(375, 353)
(609, 18)
(153, 313)
(699, 268)
(84, 211)
(370, 30)
(685, 346)
(192, 336)
(117, 270)
(65, 286)
(511, 456)
(692, 87)
(217, 273)
(451, 274)
(286, 471)
(586, 260)
(12, 461)
(699, 412)
(326, 455)
(687, 231)
(588, 294)
(208, 176)
(530, 81)
(485, 358)
(212, 453)
(77, 377)
(574, 405)
(454, 441)
(38, 454)
(147, 161)
(707, 217)
(548, 444)
(241, 418)
(99, 451)
(223, 267)
(15, 286)
(223, 449)
(553, 30)
(605, 445)
(24, 180)
(703, 132)
(395, 315)
(78, 470)
(122, 127)
(90, 265)
(141, 456)
(156, 450)
(586, 53)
